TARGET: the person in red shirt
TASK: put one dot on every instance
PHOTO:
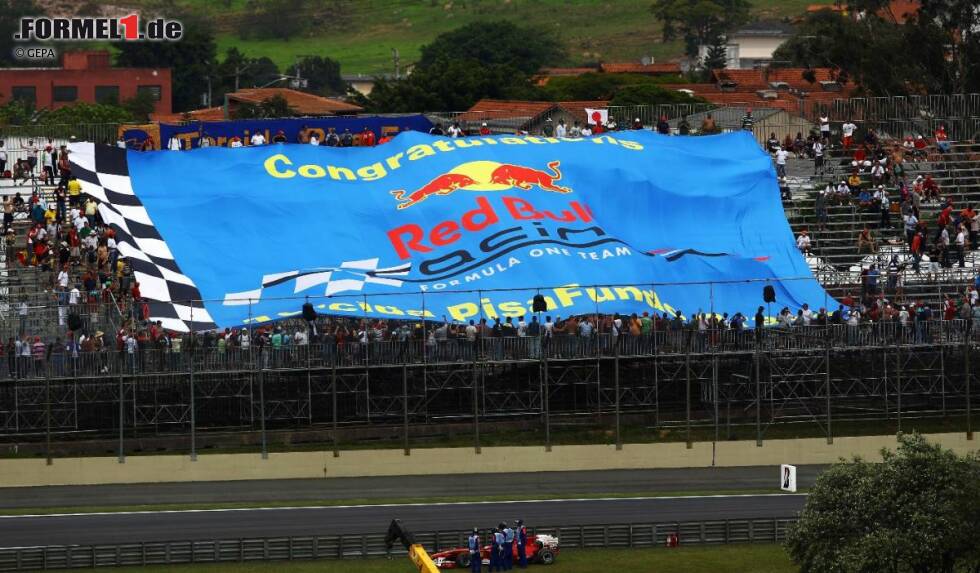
(949, 308)
(135, 291)
(385, 138)
(367, 137)
(484, 130)
(942, 140)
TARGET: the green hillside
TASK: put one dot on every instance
(360, 34)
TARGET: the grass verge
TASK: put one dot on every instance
(712, 559)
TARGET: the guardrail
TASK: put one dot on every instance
(769, 530)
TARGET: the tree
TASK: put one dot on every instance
(322, 75)
(494, 43)
(487, 60)
(698, 22)
(275, 106)
(717, 56)
(827, 40)
(918, 511)
(140, 106)
(11, 11)
(192, 59)
(650, 94)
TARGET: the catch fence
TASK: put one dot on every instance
(334, 547)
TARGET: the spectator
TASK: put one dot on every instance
(781, 155)
(637, 124)
(436, 130)
(575, 131)
(548, 129)
(866, 241)
(3, 159)
(683, 128)
(847, 130)
(825, 127)
(817, 157)
(942, 143)
(803, 242)
(663, 128)
(368, 138)
(347, 138)
(560, 130)
(747, 120)
(331, 139)
(708, 125)
(279, 137)
(586, 131)
(454, 130)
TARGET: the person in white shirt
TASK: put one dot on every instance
(848, 130)
(521, 326)
(961, 246)
(204, 141)
(258, 138)
(121, 143)
(807, 314)
(454, 130)
(824, 127)
(560, 130)
(817, 157)
(173, 144)
(314, 140)
(803, 242)
(586, 131)
(781, 155)
(3, 158)
(235, 142)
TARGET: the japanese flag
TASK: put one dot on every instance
(597, 116)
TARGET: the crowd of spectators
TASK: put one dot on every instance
(64, 237)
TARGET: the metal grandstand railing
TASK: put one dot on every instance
(323, 547)
(190, 352)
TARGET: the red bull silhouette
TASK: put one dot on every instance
(525, 177)
(441, 185)
(496, 176)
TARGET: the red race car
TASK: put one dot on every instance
(541, 549)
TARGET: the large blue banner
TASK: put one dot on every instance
(221, 132)
(474, 228)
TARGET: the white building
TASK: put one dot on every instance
(753, 44)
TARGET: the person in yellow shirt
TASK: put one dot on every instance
(50, 215)
(74, 191)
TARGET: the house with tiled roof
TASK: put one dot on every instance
(507, 116)
(302, 104)
(752, 45)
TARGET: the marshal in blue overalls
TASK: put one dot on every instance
(476, 563)
(508, 549)
(521, 544)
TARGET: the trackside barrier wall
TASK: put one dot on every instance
(636, 535)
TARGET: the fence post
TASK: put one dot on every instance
(408, 451)
(687, 396)
(265, 447)
(619, 437)
(193, 347)
(122, 417)
(47, 417)
(969, 376)
(333, 399)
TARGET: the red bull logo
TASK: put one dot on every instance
(484, 176)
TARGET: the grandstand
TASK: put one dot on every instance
(451, 367)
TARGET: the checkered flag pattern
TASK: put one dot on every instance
(350, 276)
(173, 298)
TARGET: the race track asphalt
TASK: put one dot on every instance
(115, 528)
(464, 487)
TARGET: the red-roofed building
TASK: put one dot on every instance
(645, 69)
(503, 116)
(302, 103)
(85, 76)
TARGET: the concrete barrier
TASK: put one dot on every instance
(224, 467)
